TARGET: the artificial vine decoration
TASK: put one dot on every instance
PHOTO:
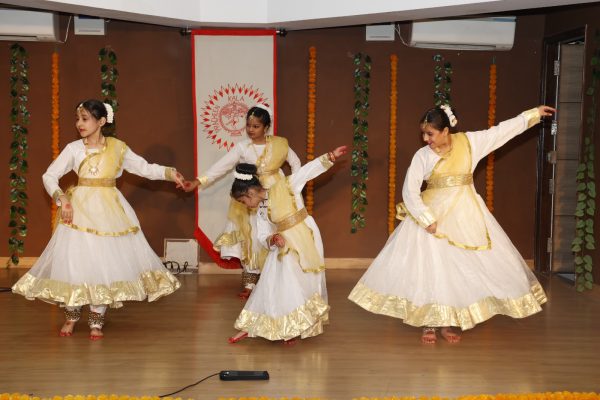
(310, 130)
(54, 120)
(19, 118)
(360, 158)
(109, 75)
(442, 81)
(585, 211)
(392, 143)
(489, 167)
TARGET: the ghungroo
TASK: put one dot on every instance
(72, 315)
(95, 320)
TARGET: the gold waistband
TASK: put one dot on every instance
(97, 182)
(292, 220)
(449, 181)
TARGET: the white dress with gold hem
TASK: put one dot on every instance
(102, 256)
(290, 298)
(468, 271)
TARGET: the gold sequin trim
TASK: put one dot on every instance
(57, 193)
(170, 173)
(203, 180)
(450, 181)
(100, 182)
(133, 229)
(305, 321)
(326, 161)
(292, 220)
(441, 315)
(532, 116)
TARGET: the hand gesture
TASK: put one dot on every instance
(179, 180)
(66, 209)
(432, 228)
(340, 151)
(189, 186)
(277, 240)
(546, 111)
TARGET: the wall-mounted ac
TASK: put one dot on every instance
(24, 25)
(496, 33)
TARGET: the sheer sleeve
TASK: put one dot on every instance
(309, 171)
(222, 166)
(411, 190)
(138, 166)
(293, 160)
(485, 141)
(59, 167)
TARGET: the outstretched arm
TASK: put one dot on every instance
(486, 141)
(314, 168)
(138, 166)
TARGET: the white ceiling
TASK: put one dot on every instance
(299, 14)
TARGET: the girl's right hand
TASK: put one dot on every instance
(66, 209)
(432, 228)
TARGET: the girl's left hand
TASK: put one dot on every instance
(546, 111)
(340, 151)
(278, 240)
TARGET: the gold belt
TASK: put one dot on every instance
(292, 220)
(449, 181)
(97, 182)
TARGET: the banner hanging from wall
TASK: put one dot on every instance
(232, 71)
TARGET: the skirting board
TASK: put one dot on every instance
(211, 268)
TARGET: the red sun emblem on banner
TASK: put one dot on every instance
(223, 116)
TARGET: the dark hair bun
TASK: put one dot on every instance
(244, 168)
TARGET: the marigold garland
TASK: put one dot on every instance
(310, 132)
(54, 120)
(489, 168)
(392, 144)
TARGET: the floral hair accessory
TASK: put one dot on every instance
(242, 177)
(451, 117)
(110, 114)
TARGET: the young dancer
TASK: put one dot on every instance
(449, 264)
(290, 299)
(268, 153)
(97, 256)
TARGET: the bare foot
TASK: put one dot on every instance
(450, 335)
(96, 334)
(67, 328)
(290, 342)
(244, 294)
(429, 336)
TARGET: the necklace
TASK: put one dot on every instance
(260, 162)
(94, 168)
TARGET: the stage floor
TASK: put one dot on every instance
(157, 348)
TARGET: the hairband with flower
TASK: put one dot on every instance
(266, 108)
(242, 177)
(110, 114)
(451, 117)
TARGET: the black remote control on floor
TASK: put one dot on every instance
(244, 375)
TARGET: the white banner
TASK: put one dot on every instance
(233, 70)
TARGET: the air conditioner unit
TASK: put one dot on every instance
(24, 25)
(496, 33)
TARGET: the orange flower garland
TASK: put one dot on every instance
(310, 132)
(489, 168)
(54, 120)
(392, 148)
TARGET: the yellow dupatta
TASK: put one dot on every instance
(452, 200)
(95, 201)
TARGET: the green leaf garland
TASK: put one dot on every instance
(584, 241)
(17, 164)
(359, 167)
(442, 81)
(109, 75)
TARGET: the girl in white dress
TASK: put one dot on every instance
(268, 153)
(290, 299)
(97, 254)
(449, 264)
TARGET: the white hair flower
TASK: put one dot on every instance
(451, 117)
(242, 177)
(110, 114)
